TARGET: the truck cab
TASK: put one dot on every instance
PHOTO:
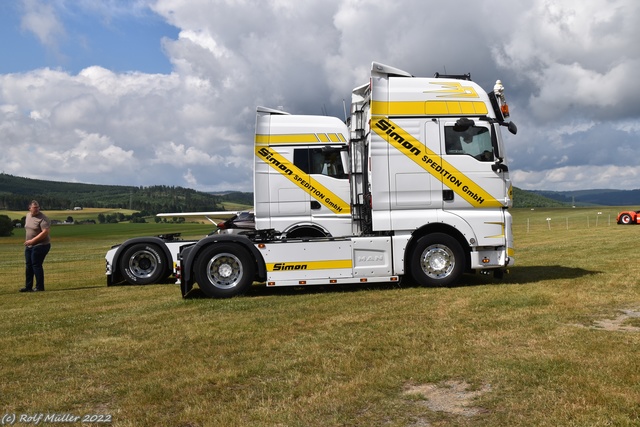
(434, 161)
(301, 181)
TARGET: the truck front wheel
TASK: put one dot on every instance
(143, 264)
(437, 260)
(224, 270)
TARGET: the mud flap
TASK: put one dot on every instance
(185, 288)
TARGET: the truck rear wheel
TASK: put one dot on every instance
(224, 270)
(437, 260)
(143, 263)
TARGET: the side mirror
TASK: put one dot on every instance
(499, 167)
(512, 128)
(346, 162)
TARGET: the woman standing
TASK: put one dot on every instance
(37, 245)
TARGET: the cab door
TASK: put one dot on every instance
(414, 184)
(329, 201)
(405, 172)
(469, 157)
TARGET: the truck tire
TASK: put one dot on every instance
(625, 219)
(144, 263)
(437, 260)
(224, 270)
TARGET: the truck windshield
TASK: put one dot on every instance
(474, 141)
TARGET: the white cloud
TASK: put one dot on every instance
(204, 40)
(579, 57)
(568, 67)
(578, 178)
(40, 18)
(189, 178)
(163, 122)
(629, 126)
(179, 154)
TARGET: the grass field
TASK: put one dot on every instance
(555, 343)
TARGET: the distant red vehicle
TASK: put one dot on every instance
(629, 217)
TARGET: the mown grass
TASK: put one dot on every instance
(331, 356)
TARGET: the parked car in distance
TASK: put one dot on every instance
(628, 217)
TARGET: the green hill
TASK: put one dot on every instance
(602, 197)
(17, 192)
(529, 199)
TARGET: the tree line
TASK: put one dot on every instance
(527, 199)
(16, 193)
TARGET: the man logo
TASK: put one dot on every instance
(371, 258)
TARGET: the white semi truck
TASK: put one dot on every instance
(416, 183)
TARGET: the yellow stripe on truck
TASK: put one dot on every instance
(461, 184)
(429, 108)
(309, 265)
(460, 102)
(303, 180)
(299, 138)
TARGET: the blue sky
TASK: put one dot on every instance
(164, 92)
(120, 42)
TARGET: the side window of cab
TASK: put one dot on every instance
(320, 161)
